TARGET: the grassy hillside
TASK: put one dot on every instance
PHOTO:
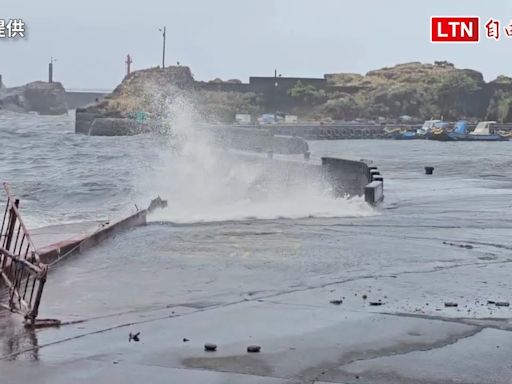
(415, 89)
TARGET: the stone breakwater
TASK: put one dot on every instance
(89, 122)
(39, 96)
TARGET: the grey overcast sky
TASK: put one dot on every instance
(238, 38)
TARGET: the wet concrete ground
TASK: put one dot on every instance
(271, 283)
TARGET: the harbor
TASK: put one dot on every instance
(423, 248)
(256, 192)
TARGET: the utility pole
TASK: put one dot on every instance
(275, 95)
(128, 62)
(163, 48)
(50, 69)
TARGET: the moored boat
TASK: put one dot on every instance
(399, 134)
(420, 133)
(484, 131)
(425, 132)
(441, 133)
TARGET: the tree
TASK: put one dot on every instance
(307, 94)
(455, 93)
(344, 107)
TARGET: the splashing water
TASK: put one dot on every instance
(204, 182)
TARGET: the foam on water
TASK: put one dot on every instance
(203, 183)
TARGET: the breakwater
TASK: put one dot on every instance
(347, 178)
(334, 131)
(97, 124)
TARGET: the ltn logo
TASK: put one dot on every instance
(463, 29)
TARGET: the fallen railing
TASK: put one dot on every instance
(24, 268)
(21, 270)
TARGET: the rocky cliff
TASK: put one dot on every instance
(41, 97)
(153, 90)
(415, 89)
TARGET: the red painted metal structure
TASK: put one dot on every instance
(23, 276)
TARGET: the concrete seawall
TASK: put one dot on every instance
(331, 131)
(348, 178)
(316, 131)
(354, 178)
(258, 140)
(58, 242)
(246, 138)
(309, 131)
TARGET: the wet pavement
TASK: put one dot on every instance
(438, 239)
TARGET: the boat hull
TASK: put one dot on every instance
(482, 138)
(442, 135)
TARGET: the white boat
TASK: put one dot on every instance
(484, 131)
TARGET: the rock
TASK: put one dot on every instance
(134, 337)
(111, 126)
(185, 340)
(365, 297)
(39, 96)
(502, 304)
(375, 303)
(253, 349)
(210, 347)
(83, 121)
(451, 304)
(336, 302)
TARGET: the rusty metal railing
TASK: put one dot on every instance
(21, 270)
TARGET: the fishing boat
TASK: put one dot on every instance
(420, 133)
(399, 133)
(426, 130)
(484, 131)
(443, 133)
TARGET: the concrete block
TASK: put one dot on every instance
(373, 173)
(374, 192)
(378, 178)
(109, 126)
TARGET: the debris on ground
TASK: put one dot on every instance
(450, 305)
(467, 246)
(210, 347)
(336, 302)
(134, 337)
(253, 348)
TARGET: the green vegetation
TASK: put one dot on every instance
(414, 89)
(419, 90)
